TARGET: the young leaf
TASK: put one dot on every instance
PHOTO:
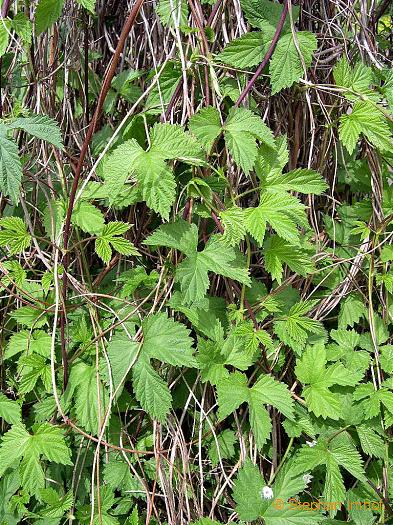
(311, 370)
(278, 252)
(88, 218)
(14, 235)
(110, 238)
(365, 118)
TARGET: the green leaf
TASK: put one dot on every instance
(247, 492)
(89, 395)
(311, 370)
(109, 238)
(206, 126)
(192, 273)
(122, 353)
(18, 444)
(357, 80)
(368, 119)
(167, 340)
(118, 166)
(159, 190)
(179, 235)
(23, 28)
(173, 12)
(151, 391)
(300, 180)
(40, 126)
(46, 14)
(233, 391)
(278, 252)
(281, 210)
(246, 51)
(10, 168)
(88, 218)
(334, 455)
(232, 220)
(170, 141)
(88, 4)
(265, 14)
(14, 235)
(10, 411)
(5, 27)
(286, 66)
(241, 130)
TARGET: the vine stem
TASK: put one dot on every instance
(90, 131)
(266, 59)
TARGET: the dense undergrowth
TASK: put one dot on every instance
(195, 256)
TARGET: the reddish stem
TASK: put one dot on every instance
(266, 59)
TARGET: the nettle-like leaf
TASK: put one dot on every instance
(14, 235)
(372, 401)
(246, 51)
(233, 391)
(168, 341)
(295, 327)
(192, 273)
(20, 449)
(46, 14)
(242, 130)
(286, 65)
(336, 454)
(282, 211)
(173, 12)
(10, 166)
(312, 370)
(278, 252)
(237, 349)
(155, 178)
(368, 119)
(88, 218)
(251, 504)
(110, 238)
(356, 80)
(90, 396)
(10, 410)
(41, 127)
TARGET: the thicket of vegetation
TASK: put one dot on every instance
(196, 262)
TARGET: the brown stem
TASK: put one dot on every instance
(67, 226)
(266, 59)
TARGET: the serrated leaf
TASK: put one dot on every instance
(10, 168)
(88, 4)
(14, 235)
(365, 118)
(151, 391)
(206, 126)
(286, 66)
(40, 126)
(246, 51)
(300, 180)
(10, 411)
(88, 218)
(278, 252)
(167, 340)
(46, 14)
